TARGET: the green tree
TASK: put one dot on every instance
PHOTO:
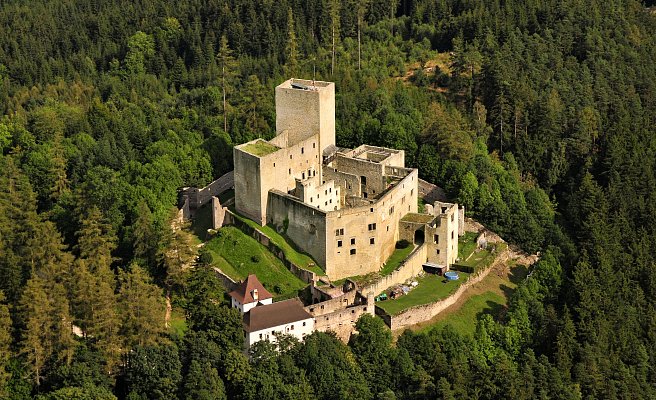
(203, 382)
(142, 309)
(141, 46)
(228, 65)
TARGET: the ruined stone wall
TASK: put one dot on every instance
(344, 317)
(332, 305)
(425, 312)
(355, 229)
(248, 185)
(301, 273)
(305, 225)
(348, 183)
(255, 176)
(313, 192)
(410, 268)
(373, 172)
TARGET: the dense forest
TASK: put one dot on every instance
(543, 124)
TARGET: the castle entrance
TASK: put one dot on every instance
(419, 237)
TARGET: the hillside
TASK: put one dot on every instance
(538, 116)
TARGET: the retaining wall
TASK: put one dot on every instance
(425, 312)
(303, 274)
(411, 267)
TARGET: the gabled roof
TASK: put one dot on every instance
(276, 314)
(244, 291)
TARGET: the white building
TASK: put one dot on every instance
(265, 321)
(249, 293)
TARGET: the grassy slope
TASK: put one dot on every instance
(239, 255)
(301, 259)
(490, 296)
(396, 259)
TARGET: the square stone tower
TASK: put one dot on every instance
(306, 108)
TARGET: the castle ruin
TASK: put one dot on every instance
(347, 208)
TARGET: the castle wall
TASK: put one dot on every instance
(348, 183)
(255, 176)
(411, 267)
(248, 185)
(444, 236)
(354, 228)
(306, 226)
(373, 172)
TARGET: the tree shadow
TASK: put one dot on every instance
(518, 274)
(493, 308)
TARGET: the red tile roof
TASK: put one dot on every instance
(244, 291)
(276, 314)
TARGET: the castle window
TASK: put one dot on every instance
(260, 336)
(372, 241)
(290, 156)
(371, 227)
(403, 200)
(274, 165)
(302, 150)
(365, 195)
(292, 328)
(303, 175)
(438, 252)
(391, 210)
(310, 199)
(352, 241)
(352, 252)
(452, 216)
(331, 201)
(303, 323)
(371, 209)
(330, 190)
(326, 192)
(290, 171)
(436, 238)
(339, 243)
(339, 232)
(314, 145)
(326, 204)
(451, 234)
(387, 228)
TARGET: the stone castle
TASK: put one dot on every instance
(347, 208)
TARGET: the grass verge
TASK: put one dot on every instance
(396, 259)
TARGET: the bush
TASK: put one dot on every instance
(255, 258)
(463, 268)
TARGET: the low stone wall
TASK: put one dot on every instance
(199, 197)
(425, 312)
(303, 274)
(411, 267)
(340, 318)
(228, 283)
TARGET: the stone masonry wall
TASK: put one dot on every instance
(302, 274)
(411, 267)
(425, 312)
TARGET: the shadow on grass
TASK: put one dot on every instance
(518, 274)
(493, 308)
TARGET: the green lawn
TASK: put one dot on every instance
(464, 320)
(396, 259)
(238, 255)
(431, 288)
(466, 245)
(301, 259)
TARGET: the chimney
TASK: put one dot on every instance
(255, 294)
